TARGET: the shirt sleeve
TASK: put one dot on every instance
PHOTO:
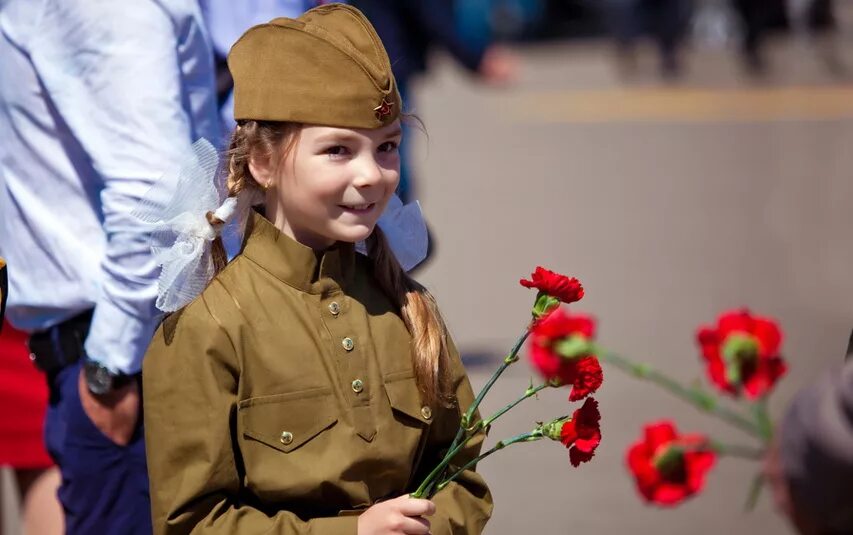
(111, 71)
(464, 506)
(190, 378)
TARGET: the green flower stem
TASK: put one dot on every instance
(426, 487)
(465, 425)
(737, 450)
(754, 492)
(762, 416)
(526, 437)
(508, 360)
(696, 397)
(530, 392)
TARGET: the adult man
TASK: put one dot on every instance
(104, 97)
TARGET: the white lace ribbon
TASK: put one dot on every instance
(175, 208)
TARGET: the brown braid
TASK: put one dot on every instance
(420, 313)
(248, 138)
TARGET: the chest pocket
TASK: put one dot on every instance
(412, 419)
(406, 400)
(289, 421)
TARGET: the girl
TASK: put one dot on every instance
(309, 387)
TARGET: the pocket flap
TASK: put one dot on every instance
(287, 421)
(404, 396)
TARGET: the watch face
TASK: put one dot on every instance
(98, 378)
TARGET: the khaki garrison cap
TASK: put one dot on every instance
(327, 67)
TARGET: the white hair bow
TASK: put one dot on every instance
(176, 207)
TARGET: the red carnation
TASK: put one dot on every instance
(742, 353)
(551, 339)
(668, 467)
(566, 289)
(582, 434)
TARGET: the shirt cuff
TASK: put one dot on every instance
(118, 340)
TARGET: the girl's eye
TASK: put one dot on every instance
(337, 151)
(388, 146)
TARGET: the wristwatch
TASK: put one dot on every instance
(100, 380)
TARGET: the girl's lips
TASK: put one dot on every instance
(358, 209)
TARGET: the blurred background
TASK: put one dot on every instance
(672, 195)
(681, 158)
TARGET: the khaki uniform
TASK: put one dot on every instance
(283, 400)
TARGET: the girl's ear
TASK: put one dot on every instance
(260, 165)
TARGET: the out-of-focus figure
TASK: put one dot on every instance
(811, 467)
(814, 22)
(23, 395)
(98, 100)
(410, 29)
(753, 16)
(664, 19)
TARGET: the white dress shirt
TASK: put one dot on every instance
(98, 98)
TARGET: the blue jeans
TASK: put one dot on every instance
(104, 486)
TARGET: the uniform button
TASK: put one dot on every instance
(357, 386)
(334, 308)
(426, 412)
(286, 437)
(348, 343)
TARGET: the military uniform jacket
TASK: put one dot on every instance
(283, 400)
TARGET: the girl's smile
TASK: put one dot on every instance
(333, 184)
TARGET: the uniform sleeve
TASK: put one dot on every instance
(190, 378)
(464, 506)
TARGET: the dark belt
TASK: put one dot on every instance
(61, 345)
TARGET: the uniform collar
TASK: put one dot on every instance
(295, 264)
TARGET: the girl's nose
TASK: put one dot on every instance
(369, 173)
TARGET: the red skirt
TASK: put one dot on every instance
(23, 398)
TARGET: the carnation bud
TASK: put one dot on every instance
(737, 349)
(554, 428)
(574, 346)
(544, 304)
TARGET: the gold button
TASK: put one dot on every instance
(334, 308)
(357, 386)
(426, 412)
(348, 343)
(286, 437)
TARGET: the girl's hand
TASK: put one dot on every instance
(400, 516)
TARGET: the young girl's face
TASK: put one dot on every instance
(335, 183)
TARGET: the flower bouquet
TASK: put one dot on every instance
(561, 351)
(741, 354)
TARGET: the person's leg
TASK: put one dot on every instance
(666, 25)
(104, 486)
(753, 13)
(625, 21)
(41, 512)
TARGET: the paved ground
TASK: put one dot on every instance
(671, 203)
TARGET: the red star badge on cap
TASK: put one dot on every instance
(383, 110)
